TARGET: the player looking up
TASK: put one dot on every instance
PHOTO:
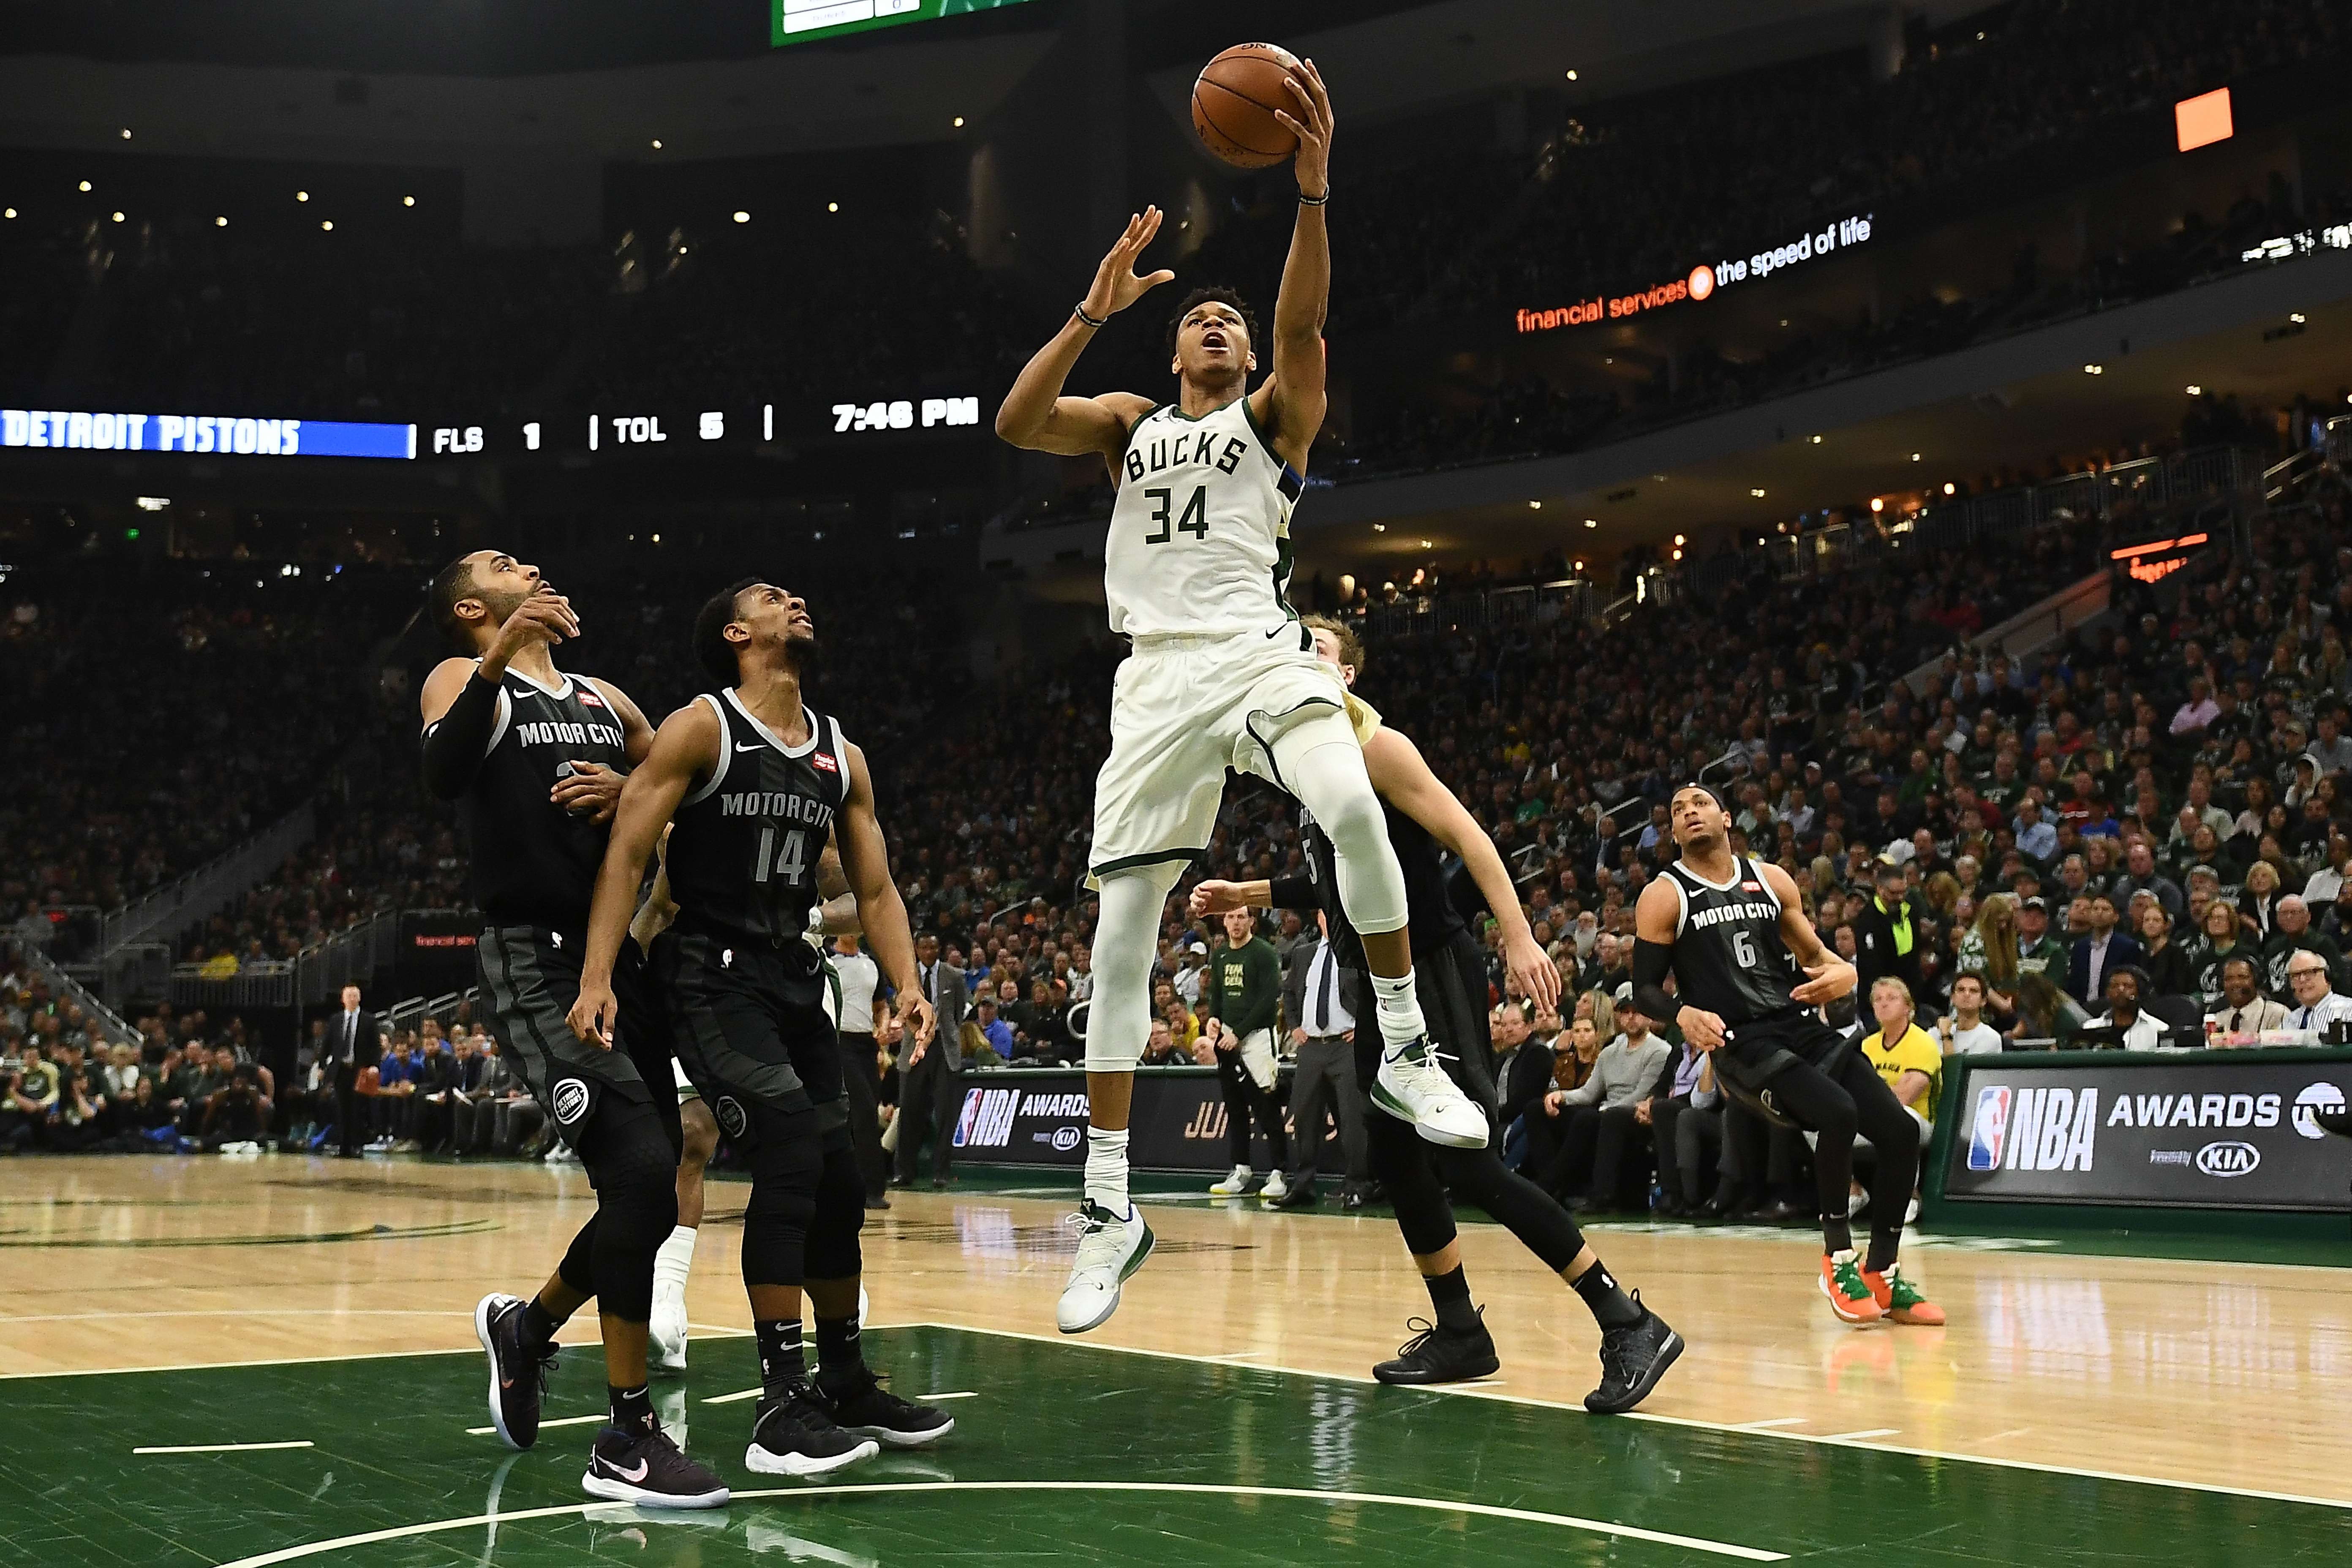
(1221, 674)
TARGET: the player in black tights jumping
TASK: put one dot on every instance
(1636, 1344)
(1734, 934)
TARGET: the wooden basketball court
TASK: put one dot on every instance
(215, 1361)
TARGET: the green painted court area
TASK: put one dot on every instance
(1063, 1452)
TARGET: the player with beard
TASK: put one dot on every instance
(750, 782)
(1423, 818)
(535, 759)
(1734, 934)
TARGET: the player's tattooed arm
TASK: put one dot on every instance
(685, 748)
(1292, 402)
(1827, 976)
(866, 863)
(1034, 414)
(1654, 943)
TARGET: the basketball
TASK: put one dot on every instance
(1234, 104)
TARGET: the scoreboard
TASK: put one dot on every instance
(798, 21)
(673, 431)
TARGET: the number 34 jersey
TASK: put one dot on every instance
(744, 846)
(1199, 535)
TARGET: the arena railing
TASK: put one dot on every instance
(64, 983)
(263, 982)
(1481, 609)
(353, 954)
(208, 888)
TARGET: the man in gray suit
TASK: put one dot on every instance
(930, 1081)
(1324, 1084)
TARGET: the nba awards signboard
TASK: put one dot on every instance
(1038, 1117)
(2189, 1130)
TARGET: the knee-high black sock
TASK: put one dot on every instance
(1449, 1296)
(839, 1358)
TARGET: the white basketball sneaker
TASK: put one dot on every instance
(1413, 1086)
(1275, 1188)
(1110, 1249)
(1233, 1185)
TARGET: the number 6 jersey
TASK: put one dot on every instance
(744, 845)
(1729, 955)
(1199, 535)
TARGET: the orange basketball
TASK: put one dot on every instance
(1234, 103)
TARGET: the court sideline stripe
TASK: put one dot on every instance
(1302, 1494)
(1472, 1391)
(220, 1447)
(561, 1421)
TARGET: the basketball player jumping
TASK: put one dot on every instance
(1221, 674)
(754, 781)
(1733, 933)
(1636, 1345)
(535, 759)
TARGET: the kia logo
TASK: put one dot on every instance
(1066, 1139)
(2229, 1159)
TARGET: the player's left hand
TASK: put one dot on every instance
(917, 1018)
(591, 790)
(1827, 983)
(1214, 897)
(591, 1014)
(1534, 973)
(1312, 125)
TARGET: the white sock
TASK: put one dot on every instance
(1400, 1009)
(672, 1263)
(1106, 1169)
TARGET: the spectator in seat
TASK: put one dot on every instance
(238, 1113)
(1963, 1031)
(2258, 902)
(1539, 1090)
(1162, 1050)
(2142, 1031)
(473, 1116)
(2318, 1009)
(1603, 1128)
(2245, 1011)
(1669, 1100)
(995, 1036)
(2098, 952)
(2169, 971)
(2294, 935)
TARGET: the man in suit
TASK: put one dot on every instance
(931, 1079)
(352, 1044)
(2100, 953)
(1886, 934)
(2245, 1011)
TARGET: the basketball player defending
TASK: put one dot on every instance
(535, 759)
(754, 781)
(1221, 674)
(1733, 933)
(1424, 819)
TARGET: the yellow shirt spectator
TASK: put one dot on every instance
(1915, 1050)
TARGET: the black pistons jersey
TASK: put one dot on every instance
(743, 851)
(1432, 919)
(535, 863)
(1728, 957)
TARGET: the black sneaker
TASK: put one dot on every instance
(518, 1374)
(794, 1436)
(864, 1408)
(1438, 1354)
(649, 1469)
(1632, 1358)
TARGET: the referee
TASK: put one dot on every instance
(860, 977)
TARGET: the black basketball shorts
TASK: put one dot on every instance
(530, 977)
(748, 1021)
(1760, 1048)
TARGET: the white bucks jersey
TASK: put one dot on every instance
(1200, 537)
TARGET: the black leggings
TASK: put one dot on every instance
(1245, 1101)
(629, 1159)
(1851, 1099)
(1452, 985)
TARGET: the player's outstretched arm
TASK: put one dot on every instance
(686, 745)
(1402, 777)
(1292, 403)
(866, 861)
(1036, 415)
(1653, 944)
(1828, 976)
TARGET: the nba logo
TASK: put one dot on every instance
(970, 1114)
(1991, 1127)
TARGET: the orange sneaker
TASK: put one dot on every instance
(1900, 1300)
(1842, 1282)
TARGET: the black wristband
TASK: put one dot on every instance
(1079, 310)
(1307, 201)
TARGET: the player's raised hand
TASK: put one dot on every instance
(1538, 978)
(1116, 284)
(1312, 125)
(591, 1016)
(1704, 1030)
(1828, 981)
(545, 617)
(1215, 898)
(591, 790)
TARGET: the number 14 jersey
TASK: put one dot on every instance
(743, 851)
(1199, 535)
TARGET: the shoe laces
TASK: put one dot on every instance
(1423, 1331)
(1102, 1234)
(1845, 1272)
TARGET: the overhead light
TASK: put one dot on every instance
(657, 539)
(1571, 76)
(153, 503)
(327, 226)
(1592, 522)
(1757, 493)
(1784, 321)
(1678, 539)
(1535, 506)
(220, 223)
(408, 201)
(1678, 555)
(1660, 478)
(2094, 370)
(1816, 440)
(741, 217)
(2295, 316)
(1379, 528)
(1579, 566)
(301, 196)
(126, 134)
(959, 121)
(656, 143)
(1948, 488)
(1425, 544)
(118, 217)
(833, 207)
(1914, 457)
(1877, 504)
(85, 184)
(10, 213)
(2193, 390)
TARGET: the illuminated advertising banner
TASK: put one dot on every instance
(798, 21)
(1702, 281)
(204, 434)
(1038, 1117)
